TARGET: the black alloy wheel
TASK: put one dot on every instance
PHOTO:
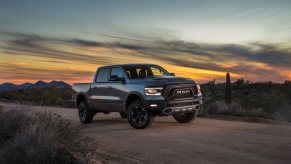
(138, 117)
(85, 115)
(123, 115)
(186, 117)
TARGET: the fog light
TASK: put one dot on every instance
(197, 107)
(154, 105)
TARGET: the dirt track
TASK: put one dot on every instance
(166, 141)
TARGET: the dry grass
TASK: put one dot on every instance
(234, 109)
(31, 137)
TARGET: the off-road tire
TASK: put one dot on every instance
(85, 114)
(123, 115)
(138, 117)
(186, 117)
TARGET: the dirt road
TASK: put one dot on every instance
(203, 141)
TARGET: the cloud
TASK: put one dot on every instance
(258, 60)
(53, 61)
(113, 36)
(11, 71)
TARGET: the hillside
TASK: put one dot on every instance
(49, 96)
(38, 84)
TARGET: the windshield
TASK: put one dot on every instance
(144, 71)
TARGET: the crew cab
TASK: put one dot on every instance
(139, 92)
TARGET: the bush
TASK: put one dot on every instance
(220, 107)
(261, 99)
(42, 138)
(50, 96)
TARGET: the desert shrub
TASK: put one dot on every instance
(42, 138)
(215, 108)
(1, 109)
(50, 96)
(260, 99)
(220, 107)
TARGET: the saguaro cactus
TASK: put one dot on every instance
(228, 89)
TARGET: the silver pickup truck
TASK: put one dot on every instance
(139, 92)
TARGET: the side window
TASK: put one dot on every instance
(117, 71)
(157, 72)
(102, 75)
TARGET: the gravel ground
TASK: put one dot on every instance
(166, 141)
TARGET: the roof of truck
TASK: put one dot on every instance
(124, 65)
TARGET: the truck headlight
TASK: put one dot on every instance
(198, 88)
(153, 91)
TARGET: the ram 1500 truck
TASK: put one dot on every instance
(139, 92)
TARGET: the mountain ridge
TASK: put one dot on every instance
(39, 84)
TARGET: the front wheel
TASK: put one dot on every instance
(138, 117)
(186, 117)
(85, 114)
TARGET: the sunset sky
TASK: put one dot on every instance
(202, 40)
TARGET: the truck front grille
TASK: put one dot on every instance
(180, 91)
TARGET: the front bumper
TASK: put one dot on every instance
(169, 107)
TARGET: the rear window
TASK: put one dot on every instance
(102, 75)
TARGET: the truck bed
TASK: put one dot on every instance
(81, 87)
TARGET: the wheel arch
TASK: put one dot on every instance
(132, 97)
(80, 97)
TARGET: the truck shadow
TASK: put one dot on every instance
(122, 124)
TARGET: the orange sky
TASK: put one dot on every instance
(49, 59)
(24, 68)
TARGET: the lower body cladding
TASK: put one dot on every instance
(183, 109)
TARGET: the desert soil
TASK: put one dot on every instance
(166, 141)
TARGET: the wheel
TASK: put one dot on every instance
(186, 117)
(123, 115)
(138, 117)
(85, 115)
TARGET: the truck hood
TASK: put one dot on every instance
(163, 80)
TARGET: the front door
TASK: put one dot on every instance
(99, 89)
(108, 95)
(117, 90)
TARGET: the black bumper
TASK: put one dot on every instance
(169, 107)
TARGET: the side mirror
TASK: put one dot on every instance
(116, 78)
(172, 74)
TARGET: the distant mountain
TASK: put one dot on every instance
(38, 84)
(8, 86)
(59, 84)
(25, 85)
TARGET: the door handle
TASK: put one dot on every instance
(109, 87)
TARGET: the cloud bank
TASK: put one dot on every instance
(253, 61)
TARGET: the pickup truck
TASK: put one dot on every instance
(139, 92)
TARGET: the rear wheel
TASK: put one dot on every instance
(123, 115)
(85, 114)
(186, 117)
(138, 117)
